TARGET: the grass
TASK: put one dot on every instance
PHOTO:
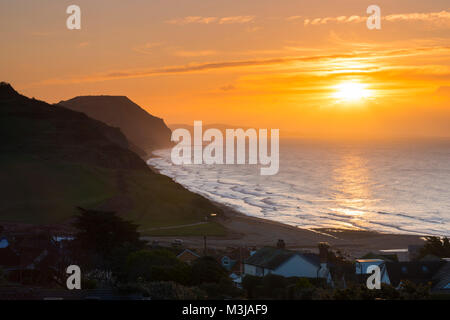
(159, 202)
(47, 192)
(207, 229)
(42, 192)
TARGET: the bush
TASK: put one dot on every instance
(157, 265)
(172, 291)
(208, 270)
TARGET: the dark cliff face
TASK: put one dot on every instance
(32, 127)
(141, 128)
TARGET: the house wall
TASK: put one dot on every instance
(297, 267)
(256, 271)
(249, 270)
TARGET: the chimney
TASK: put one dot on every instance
(281, 244)
(323, 252)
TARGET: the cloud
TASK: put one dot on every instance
(211, 20)
(340, 19)
(203, 67)
(440, 18)
(192, 19)
(199, 53)
(293, 18)
(147, 48)
(427, 17)
(228, 87)
(190, 68)
(236, 19)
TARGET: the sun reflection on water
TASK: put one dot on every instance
(352, 181)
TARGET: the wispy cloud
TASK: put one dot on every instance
(340, 19)
(442, 17)
(192, 19)
(294, 18)
(236, 19)
(203, 67)
(228, 87)
(147, 48)
(211, 20)
(431, 16)
(198, 53)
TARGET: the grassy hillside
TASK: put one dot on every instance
(54, 159)
(48, 192)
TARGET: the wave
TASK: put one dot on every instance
(385, 192)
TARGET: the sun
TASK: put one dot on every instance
(351, 91)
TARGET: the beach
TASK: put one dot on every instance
(246, 231)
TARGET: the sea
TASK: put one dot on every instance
(400, 187)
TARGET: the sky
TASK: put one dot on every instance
(308, 68)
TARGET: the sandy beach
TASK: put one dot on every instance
(250, 231)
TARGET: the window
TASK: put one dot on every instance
(259, 271)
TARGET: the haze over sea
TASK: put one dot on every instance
(393, 187)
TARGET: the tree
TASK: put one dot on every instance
(436, 246)
(157, 265)
(212, 278)
(410, 291)
(207, 270)
(101, 236)
(250, 285)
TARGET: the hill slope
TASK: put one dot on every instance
(54, 159)
(141, 128)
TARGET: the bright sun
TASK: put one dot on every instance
(351, 92)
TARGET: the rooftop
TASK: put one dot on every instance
(271, 258)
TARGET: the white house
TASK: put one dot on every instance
(285, 263)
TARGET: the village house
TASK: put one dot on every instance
(31, 258)
(188, 256)
(233, 259)
(434, 272)
(287, 263)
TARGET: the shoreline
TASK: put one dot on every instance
(249, 231)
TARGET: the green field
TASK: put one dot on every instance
(46, 192)
(43, 192)
(207, 229)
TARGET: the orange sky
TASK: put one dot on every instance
(274, 64)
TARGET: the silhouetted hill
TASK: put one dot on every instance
(36, 128)
(54, 159)
(6, 91)
(141, 128)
